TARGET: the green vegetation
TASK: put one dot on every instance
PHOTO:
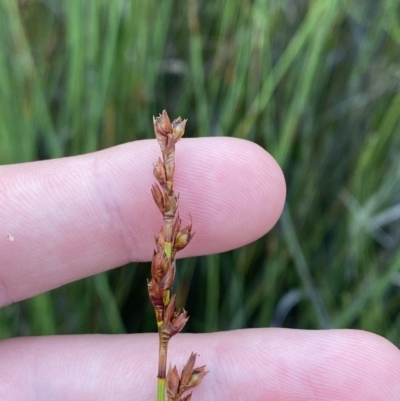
(315, 82)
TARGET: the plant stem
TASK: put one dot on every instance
(161, 389)
(162, 363)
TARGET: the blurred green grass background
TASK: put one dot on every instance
(314, 82)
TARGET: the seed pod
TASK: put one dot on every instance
(179, 322)
(182, 238)
(178, 128)
(162, 127)
(172, 383)
(159, 173)
(158, 197)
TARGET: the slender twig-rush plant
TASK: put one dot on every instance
(171, 239)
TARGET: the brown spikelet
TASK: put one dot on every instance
(158, 197)
(160, 174)
(190, 377)
(171, 239)
(173, 383)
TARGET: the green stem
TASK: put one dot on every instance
(161, 389)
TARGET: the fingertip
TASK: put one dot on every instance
(235, 196)
(82, 215)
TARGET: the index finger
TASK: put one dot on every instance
(253, 364)
(65, 219)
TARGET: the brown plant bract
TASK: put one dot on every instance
(171, 239)
(190, 377)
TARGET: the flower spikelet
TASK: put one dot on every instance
(170, 240)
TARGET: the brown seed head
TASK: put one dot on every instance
(170, 310)
(182, 238)
(172, 383)
(169, 147)
(169, 276)
(160, 240)
(191, 376)
(177, 225)
(158, 197)
(170, 204)
(170, 240)
(188, 369)
(197, 376)
(178, 322)
(156, 298)
(159, 173)
(157, 270)
(178, 128)
(169, 161)
(159, 265)
(162, 127)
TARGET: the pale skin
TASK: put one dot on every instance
(74, 217)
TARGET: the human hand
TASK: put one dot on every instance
(74, 217)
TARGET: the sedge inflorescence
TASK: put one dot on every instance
(171, 239)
